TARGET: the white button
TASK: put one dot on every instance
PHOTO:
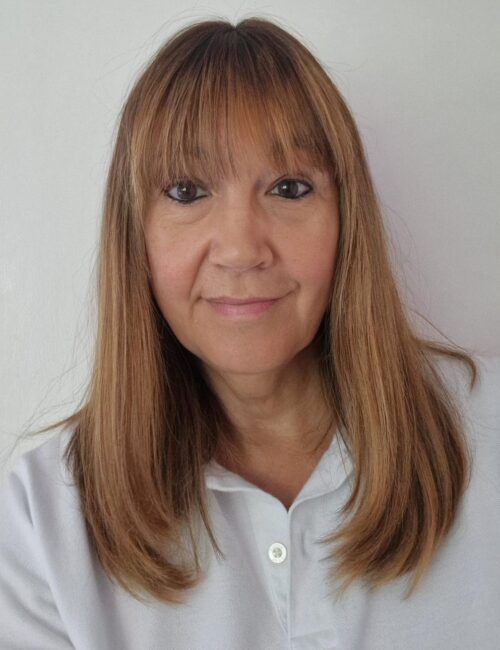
(277, 552)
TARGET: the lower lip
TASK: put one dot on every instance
(243, 311)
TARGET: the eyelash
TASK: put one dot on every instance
(186, 203)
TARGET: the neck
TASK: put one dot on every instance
(281, 411)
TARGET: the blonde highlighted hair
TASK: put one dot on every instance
(149, 420)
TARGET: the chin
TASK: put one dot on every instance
(248, 364)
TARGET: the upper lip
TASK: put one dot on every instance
(240, 301)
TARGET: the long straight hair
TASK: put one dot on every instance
(149, 419)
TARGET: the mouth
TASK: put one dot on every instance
(240, 310)
(242, 301)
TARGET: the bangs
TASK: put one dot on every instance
(230, 89)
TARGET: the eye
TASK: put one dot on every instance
(185, 189)
(290, 186)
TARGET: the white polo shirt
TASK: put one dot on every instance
(271, 592)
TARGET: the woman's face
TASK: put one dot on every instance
(245, 238)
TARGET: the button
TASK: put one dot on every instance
(277, 552)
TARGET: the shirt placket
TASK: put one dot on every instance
(272, 537)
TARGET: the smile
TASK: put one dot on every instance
(243, 311)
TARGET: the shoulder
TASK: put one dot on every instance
(39, 485)
(41, 521)
(45, 459)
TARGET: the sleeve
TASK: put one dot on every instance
(29, 618)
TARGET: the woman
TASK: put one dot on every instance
(256, 379)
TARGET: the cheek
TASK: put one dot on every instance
(170, 279)
(171, 273)
(315, 261)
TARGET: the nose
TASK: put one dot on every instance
(241, 238)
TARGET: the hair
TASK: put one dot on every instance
(149, 419)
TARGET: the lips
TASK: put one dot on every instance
(242, 310)
(241, 301)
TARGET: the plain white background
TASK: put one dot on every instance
(420, 77)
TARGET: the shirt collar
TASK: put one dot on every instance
(332, 470)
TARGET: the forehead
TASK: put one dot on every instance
(246, 145)
(246, 155)
(302, 151)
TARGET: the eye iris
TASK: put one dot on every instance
(290, 187)
(186, 190)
